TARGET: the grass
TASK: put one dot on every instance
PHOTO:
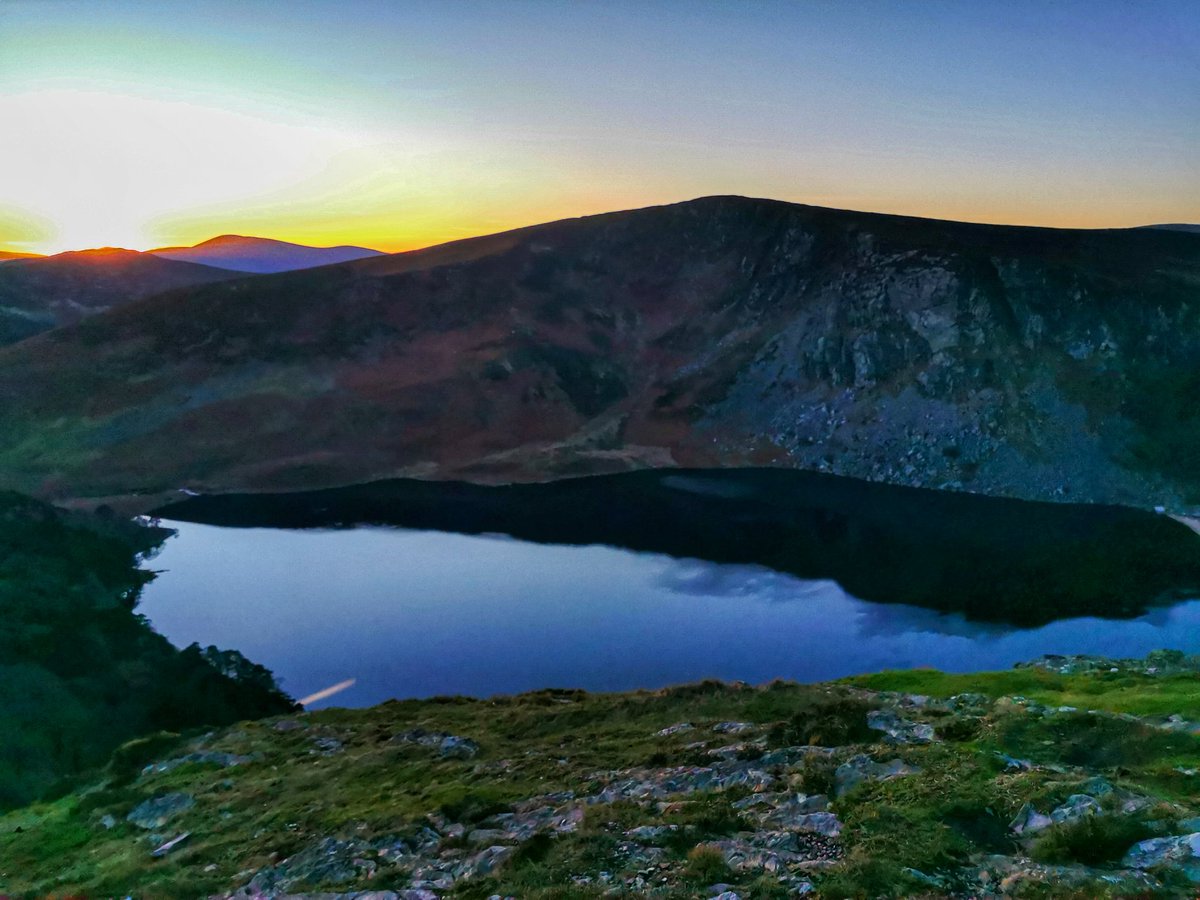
(932, 824)
(1118, 692)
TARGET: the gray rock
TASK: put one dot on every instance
(650, 832)
(1180, 853)
(454, 747)
(327, 746)
(1011, 762)
(675, 729)
(858, 769)
(825, 823)
(733, 727)
(1077, 807)
(157, 811)
(450, 746)
(1029, 821)
(898, 730)
(214, 757)
(487, 861)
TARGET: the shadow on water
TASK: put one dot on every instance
(991, 559)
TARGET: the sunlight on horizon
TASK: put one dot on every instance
(399, 127)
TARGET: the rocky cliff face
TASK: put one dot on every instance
(725, 331)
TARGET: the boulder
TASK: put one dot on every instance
(1180, 853)
(157, 811)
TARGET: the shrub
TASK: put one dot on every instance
(706, 864)
(1092, 840)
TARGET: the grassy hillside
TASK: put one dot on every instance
(898, 784)
(80, 671)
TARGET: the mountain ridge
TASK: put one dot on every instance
(1028, 362)
(242, 253)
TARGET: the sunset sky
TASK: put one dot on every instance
(397, 125)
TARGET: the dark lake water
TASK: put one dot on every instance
(414, 613)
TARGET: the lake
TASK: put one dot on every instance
(409, 612)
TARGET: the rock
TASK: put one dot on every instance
(287, 725)
(650, 832)
(454, 747)
(1028, 821)
(825, 823)
(918, 875)
(170, 845)
(1076, 807)
(1180, 853)
(1010, 762)
(674, 729)
(450, 746)
(487, 836)
(968, 702)
(327, 860)
(862, 768)
(900, 731)
(727, 895)
(327, 746)
(486, 862)
(156, 812)
(107, 822)
(224, 760)
(733, 727)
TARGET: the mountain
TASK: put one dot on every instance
(261, 255)
(725, 331)
(6, 255)
(40, 293)
(1176, 226)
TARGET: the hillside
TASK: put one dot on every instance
(6, 255)
(80, 671)
(40, 293)
(261, 255)
(725, 331)
(1068, 778)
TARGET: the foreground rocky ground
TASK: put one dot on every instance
(1065, 778)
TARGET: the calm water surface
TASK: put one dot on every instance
(418, 613)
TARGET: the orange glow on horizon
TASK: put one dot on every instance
(400, 239)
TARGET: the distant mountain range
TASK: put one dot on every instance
(38, 293)
(6, 255)
(261, 255)
(725, 331)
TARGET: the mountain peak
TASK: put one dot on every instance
(258, 255)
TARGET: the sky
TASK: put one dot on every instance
(403, 124)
